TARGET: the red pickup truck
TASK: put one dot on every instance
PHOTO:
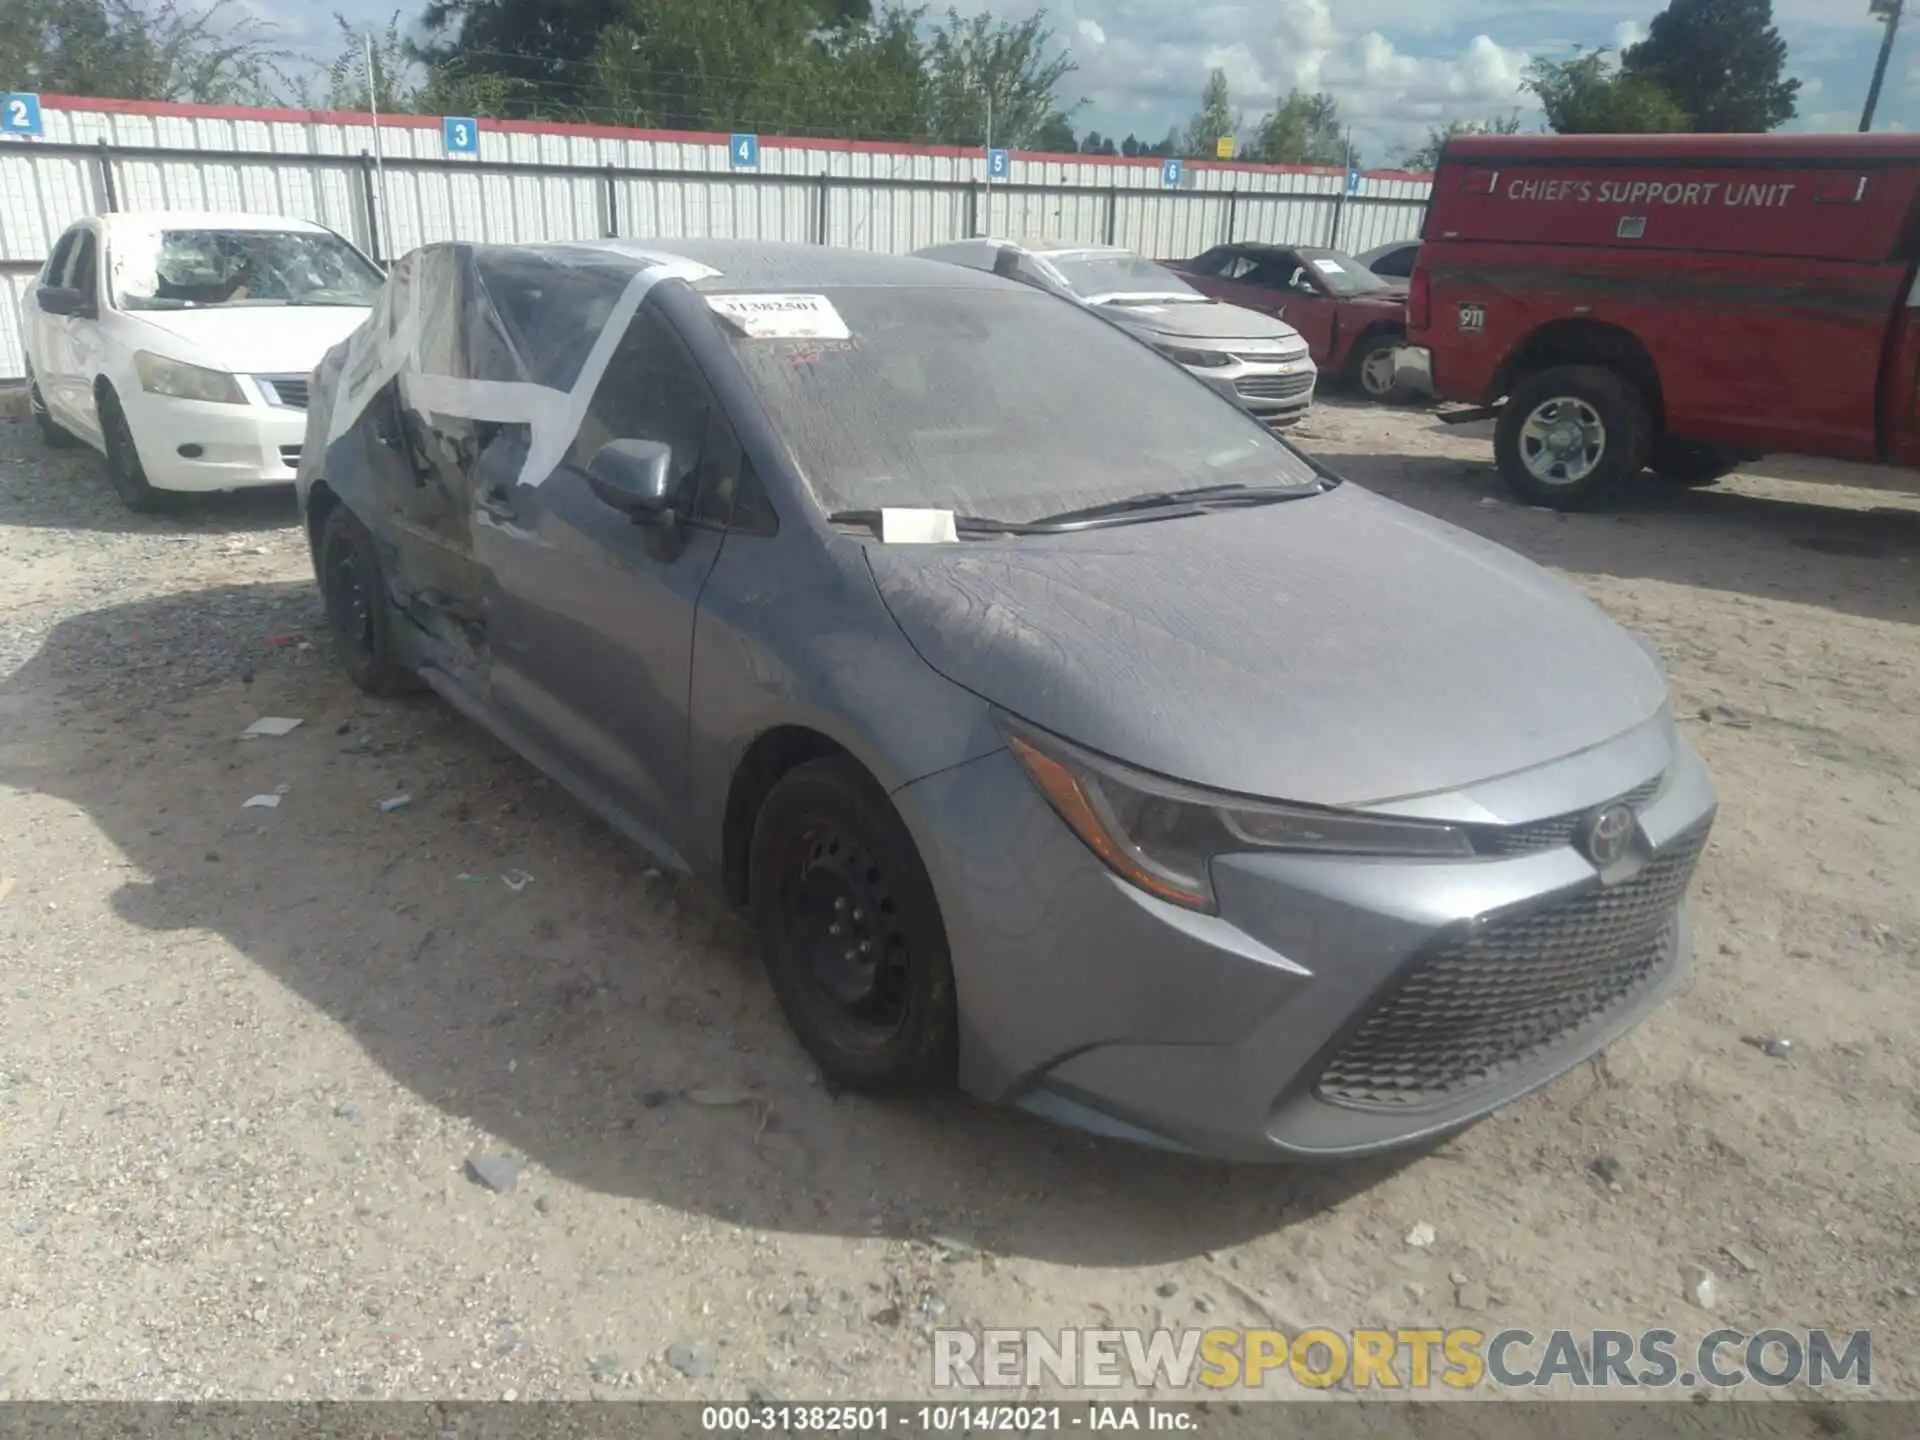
(1679, 303)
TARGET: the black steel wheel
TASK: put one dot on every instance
(851, 931)
(124, 471)
(358, 610)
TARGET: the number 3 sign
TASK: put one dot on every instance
(462, 134)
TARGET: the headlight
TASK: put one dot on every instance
(1160, 835)
(161, 376)
(1204, 359)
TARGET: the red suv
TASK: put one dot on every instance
(1355, 322)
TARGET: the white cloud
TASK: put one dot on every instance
(1627, 33)
(1090, 31)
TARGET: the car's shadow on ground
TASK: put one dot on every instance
(599, 1021)
(1851, 558)
(67, 489)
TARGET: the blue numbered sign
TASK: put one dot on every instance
(1353, 181)
(744, 151)
(462, 134)
(997, 164)
(20, 115)
(1170, 170)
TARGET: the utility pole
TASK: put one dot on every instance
(373, 107)
(989, 148)
(1888, 13)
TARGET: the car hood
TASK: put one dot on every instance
(1212, 321)
(1336, 650)
(249, 340)
(1393, 298)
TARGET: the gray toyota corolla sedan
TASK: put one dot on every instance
(1110, 758)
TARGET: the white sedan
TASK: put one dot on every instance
(179, 345)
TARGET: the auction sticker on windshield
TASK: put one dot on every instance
(781, 317)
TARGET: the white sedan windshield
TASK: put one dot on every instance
(201, 269)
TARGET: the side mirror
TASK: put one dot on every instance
(59, 300)
(635, 478)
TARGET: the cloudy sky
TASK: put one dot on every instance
(1395, 67)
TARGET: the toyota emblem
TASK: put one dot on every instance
(1608, 834)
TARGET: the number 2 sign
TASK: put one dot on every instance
(20, 115)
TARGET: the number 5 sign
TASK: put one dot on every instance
(462, 134)
(20, 115)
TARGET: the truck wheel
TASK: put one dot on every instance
(1688, 462)
(1570, 437)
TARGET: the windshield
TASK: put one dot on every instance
(204, 269)
(1119, 275)
(1005, 404)
(1341, 273)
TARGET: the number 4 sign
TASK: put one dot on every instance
(462, 134)
(744, 150)
(20, 115)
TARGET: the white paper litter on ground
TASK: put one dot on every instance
(917, 527)
(782, 317)
(270, 725)
(261, 802)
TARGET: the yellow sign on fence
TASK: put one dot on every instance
(1223, 147)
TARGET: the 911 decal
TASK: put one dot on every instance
(1473, 319)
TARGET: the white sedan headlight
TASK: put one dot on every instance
(161, 376)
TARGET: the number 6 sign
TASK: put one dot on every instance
(462, 134)
(20, 115)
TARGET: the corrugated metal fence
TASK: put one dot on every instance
(395, 186)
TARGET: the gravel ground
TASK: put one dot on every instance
(255, 1064)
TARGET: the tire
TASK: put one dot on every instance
(124, 471)
(1371, 367)
(832, 865)
(1688, 462)
(1608, 439)
(359, 613)
(51, 432)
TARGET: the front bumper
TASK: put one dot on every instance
(1335, 1006)
(1272, 390)
(197, 445)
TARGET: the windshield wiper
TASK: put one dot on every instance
(1098, 517)
(1189, 501)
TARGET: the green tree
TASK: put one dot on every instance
(1587, 95)
(1215, 117)
(1301, 130)
(975, 62)
(1427, 156)
(216, 54)
(1056, 136)
(1722, 60)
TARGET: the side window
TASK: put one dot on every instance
(653, 390)
(1277, 272)
(56, 268)
(85, 270)
(1398, 264)
(1238, 268)
(1217, 261)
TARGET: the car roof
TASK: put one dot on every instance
(758, 264)
(1367, 257)
(146, 221)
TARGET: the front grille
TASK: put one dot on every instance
(1274, 387)
(1553, 832)
(287, 390)
(1502, 993)
(290, 456)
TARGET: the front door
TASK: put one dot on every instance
(79, 341)
(589, 615)
(1281, 283)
